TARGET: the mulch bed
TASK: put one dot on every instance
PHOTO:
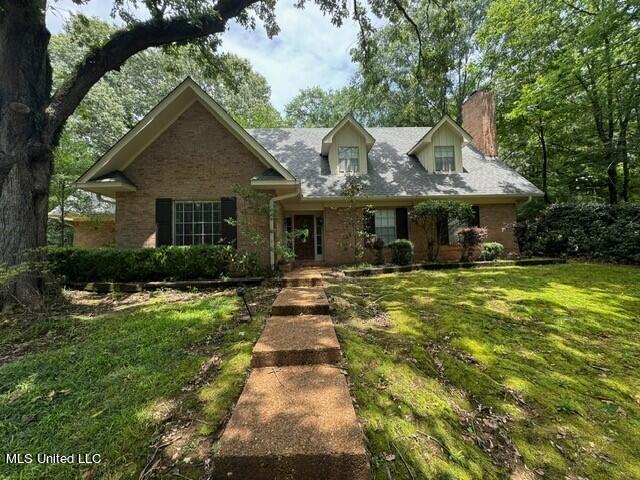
(362, 272)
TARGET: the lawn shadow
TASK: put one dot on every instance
(551, 348)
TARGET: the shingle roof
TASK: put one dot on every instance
(85, 204)
(391, 172)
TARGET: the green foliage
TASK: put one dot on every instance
(407, 81)
(315, 107)
(469, 238)
(149, 264)
(401, 251)
(536, 361)
(106, 382)
(432, 216)
(603, 232)
(491, 251)
(566, 77)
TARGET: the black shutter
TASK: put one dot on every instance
(228, 211)
(164, 221)
(476, 216)
(443, 226)
(370, 221)
(402, 223)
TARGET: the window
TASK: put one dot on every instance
(348, 160)
(445, 159)
(197, 223)
(385, 222)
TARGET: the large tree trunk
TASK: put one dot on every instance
(545, 164)
(624, 156)
(25, 157)
(611, 159)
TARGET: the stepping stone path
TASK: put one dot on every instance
(294, 419)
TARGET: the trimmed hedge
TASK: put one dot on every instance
(596, 231)
(149, 264)
(402, 252)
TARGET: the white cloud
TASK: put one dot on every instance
(308, 51)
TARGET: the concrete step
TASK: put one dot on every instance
(293, 423)
(301, 281)
(297, 340)
(301, 301)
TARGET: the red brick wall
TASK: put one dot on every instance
(196, 158)
(497, 218)
(479, 119)
(94, 234)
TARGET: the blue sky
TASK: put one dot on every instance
(308, 51)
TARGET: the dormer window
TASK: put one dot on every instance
(348, 160)
(445, 159)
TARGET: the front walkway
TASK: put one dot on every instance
(295, 419)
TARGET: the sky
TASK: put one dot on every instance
(308, 51)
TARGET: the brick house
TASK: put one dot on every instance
(176, 178)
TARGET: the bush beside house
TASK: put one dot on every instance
(149, 264)
(491, 251)
(602, 232)
(402, 252)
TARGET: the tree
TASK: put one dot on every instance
(433, 217)
(354, 231)
(566, 59)
(421, 65)
(71, 160)
(315, 107)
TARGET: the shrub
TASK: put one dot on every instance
(402, 252)
(469, 238)
(597, 231)
(377, 245)
(149, 264)
(491, 251)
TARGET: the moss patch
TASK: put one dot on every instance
(476, 373)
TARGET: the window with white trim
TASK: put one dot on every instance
(197, 223)
(348, 159)
(445, 159)
(385, 223)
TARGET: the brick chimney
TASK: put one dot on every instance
(479, 119)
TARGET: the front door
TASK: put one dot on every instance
(304, 247)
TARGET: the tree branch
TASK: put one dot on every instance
(415, 26)
(126, 43)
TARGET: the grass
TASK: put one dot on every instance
(119, 383)
(522, 372)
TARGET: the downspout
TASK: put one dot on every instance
(272, 231)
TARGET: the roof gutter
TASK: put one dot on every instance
(272, 231)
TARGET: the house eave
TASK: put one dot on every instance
(106, 188)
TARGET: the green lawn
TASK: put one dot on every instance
(121, 382)
(477, 373)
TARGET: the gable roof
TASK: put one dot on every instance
(445, 120)
(134, 142)
(392, 172)
(347, 119)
